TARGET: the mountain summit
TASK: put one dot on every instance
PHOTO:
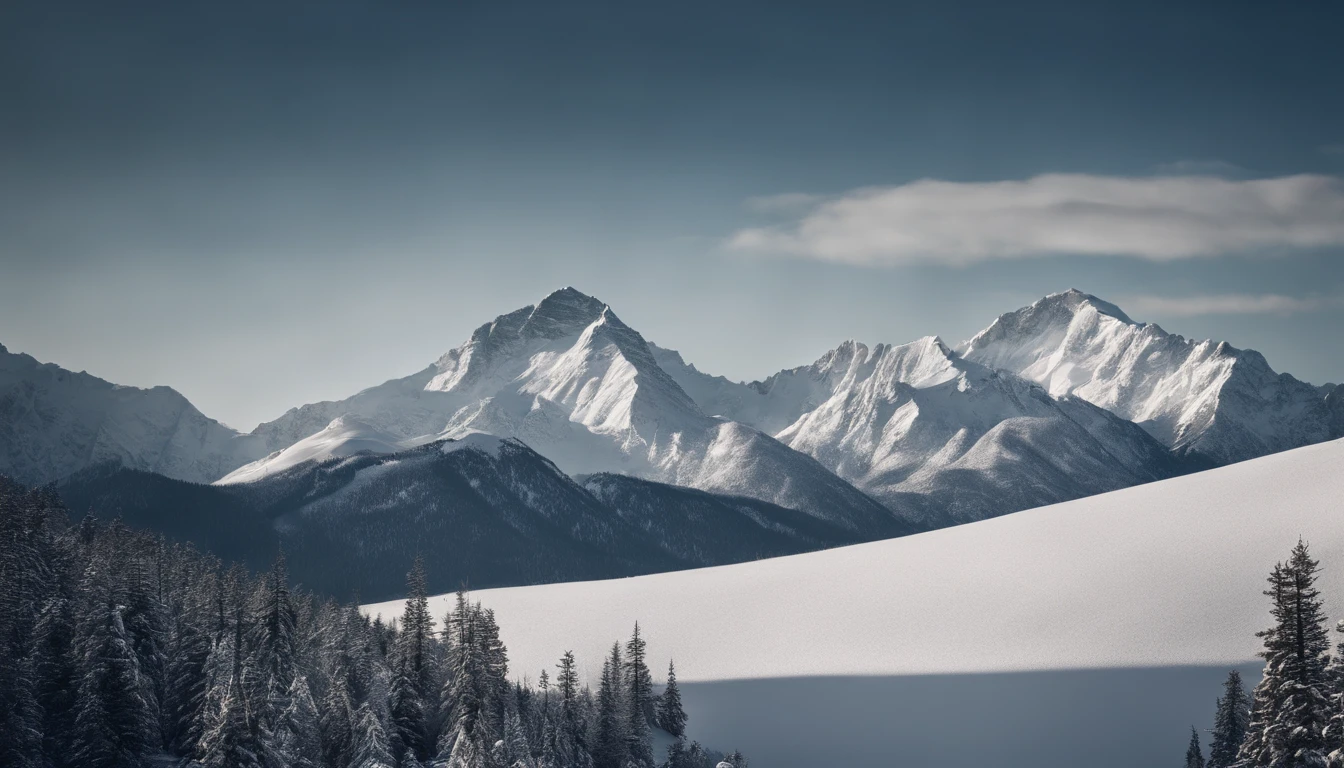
(1205, 399)
(571, 380)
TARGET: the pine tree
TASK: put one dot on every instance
(1229, 723)
(234, 737)
(569, 731)
(1194, 756)
(516, 752)
(336, 723)
(113, 724)
(610, 742)
(187, 682)
(370, 747)
(146, 628)
(54, 676)
(407, 709)
(416, 666)
(298, 738)
(273, 643)
(678, 756)
(671, 714)
(1290, 712)
(697, 755)
(27, 581)
(638, 684)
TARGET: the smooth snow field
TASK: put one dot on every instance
(1093, 632)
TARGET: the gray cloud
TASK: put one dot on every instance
(1160, 218)
(1230, 304)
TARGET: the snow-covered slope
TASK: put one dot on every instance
(1160, 575)
(1203, 398)
(916, 420)
(572, 381)
(54, 422)
(1164, 573)
(344, 436)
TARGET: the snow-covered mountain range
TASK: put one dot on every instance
(919, 419)
(572, 381)
(1202, 398)
(54, 422)
(1062, 399)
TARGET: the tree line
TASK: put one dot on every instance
(1294, 718)
(119, 648)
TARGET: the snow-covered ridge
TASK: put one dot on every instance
(918, 421)
(54, 422)
(345, 436)
(1198, 397)
(575, 383)
(1036, 409)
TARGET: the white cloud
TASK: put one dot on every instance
(1160, 218)
(1230, 304)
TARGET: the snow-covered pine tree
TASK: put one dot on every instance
(1291, 708)
(638, 679)
(415, 664)
(494, 674)
(1194, 755)
(671, 714)
(407, 711)
(610, 743)
(298, 740)
(146, 626)
(113, 725)
(27, 582)
(337, 722)
(517, 752)
(186, 683)
(567, 725)
(638, 684)
(1229, 723)
(370, 746)
(234, 736)
(678, 756)
(54, 675)
(273, 643)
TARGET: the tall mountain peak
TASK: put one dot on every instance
(1201, 397)
(562, 313)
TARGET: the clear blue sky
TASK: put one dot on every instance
(265, 204)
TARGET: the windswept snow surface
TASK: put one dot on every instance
(1160, 575)
(1205, 398)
